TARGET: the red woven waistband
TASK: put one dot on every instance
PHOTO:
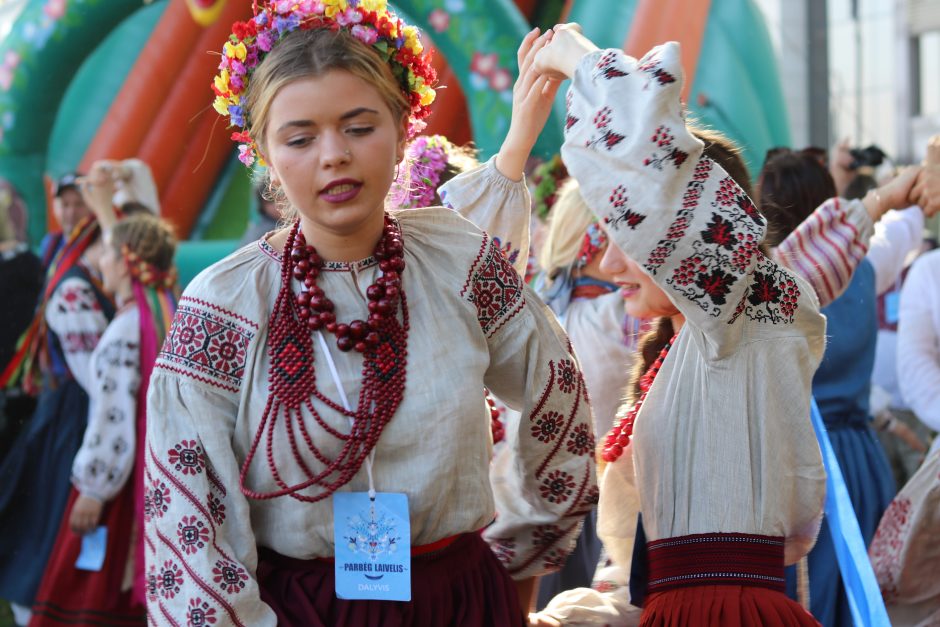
(736, 559)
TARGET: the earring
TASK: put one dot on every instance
(348, 153)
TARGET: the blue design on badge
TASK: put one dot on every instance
(372, 545)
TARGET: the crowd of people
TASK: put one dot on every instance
(407, 400)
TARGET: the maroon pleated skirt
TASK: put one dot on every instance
(463, 584)
(69, 596)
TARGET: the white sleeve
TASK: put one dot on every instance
(106, 457)
(495, 204)
(896, 235)
(74, 315)
(918, 355)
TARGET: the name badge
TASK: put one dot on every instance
(372, 540)
(892, 303)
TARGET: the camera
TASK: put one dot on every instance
(871, 157)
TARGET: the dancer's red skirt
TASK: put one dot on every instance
(462, 584)
(719, 579)
(69, 596)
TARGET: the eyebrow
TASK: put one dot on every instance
(346, 116)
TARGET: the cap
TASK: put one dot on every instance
(68, 181)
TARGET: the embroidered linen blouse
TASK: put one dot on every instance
(106, 457)
(473, 323)
(723, 442)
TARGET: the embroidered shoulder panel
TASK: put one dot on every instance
(494, 287)
(208, 343)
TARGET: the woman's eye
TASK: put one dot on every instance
(360, 130)
(299, 141)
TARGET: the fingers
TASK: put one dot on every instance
(526, 77)
(933, 151)
(525, 46)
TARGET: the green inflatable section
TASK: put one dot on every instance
(40, 56)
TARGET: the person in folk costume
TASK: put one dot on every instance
(347, 354)
(716, 450)
(53, 362)
(791, 186)
(107, 472)
(69, 209)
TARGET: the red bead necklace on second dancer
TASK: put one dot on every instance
(621, 433)
(382, 340)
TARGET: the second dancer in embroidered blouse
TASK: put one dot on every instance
(348, 352)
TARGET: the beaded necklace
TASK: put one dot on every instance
(620, 434)
(292, 377)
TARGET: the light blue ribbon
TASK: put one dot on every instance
(861, 588)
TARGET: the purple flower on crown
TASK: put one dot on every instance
(364, 34)
(261, 19)
(251, 60)
(284, 6)
(237, 115)
(287, 24)
(266, 39)
(223, 64)
(238, 67)
(237, 82)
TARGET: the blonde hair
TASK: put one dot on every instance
(567, 223)
(148, 237)
(6, 223)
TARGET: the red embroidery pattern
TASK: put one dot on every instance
(557, 486)
(193, 534)
(79, 341)
(677, 230)
(665, 151)
(581, 440)
(724, 253)
(156, 500)
(494, 287)
(187, 457)
(607, 137)
(208, 344)
(886, 547)
(200, 613)
(607, 66)
(771, 297)
(170, 580)
(622, 215)
(76, 296)
(229, 576)
(547, 535)
(653, 67)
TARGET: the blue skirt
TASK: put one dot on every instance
(871, 487)
(34, 488)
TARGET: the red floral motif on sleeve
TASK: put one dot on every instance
(229, 576)
(886, 546)
(170, 580)
(622, 215)
(557, 487)
(665, 151)
(200, 613)
(606, 138)
(581, 440)
(606, 66)
(547, 426)
(494, 287)
(193, 534)
(187, 457)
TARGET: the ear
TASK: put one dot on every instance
(402, 139)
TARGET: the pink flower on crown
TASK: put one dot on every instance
(266, 39)
(364, 34)
(246, 155)
(349, 16)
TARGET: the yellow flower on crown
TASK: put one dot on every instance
(222, 82)
(220, 104)
(332, 7)
(235, 51)
(374, 5)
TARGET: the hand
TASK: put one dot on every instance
(895, 194)
(532, 99)
(541, 620)
(85, 514)
(907, 435)
(561, 56)
(840, 163)
(926, 192)
(98, 190)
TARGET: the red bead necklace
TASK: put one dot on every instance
(292, 377)
(318, 311)
(620, 434)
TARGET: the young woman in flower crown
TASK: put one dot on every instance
(343, 358)
(716, 450)
(107, 472)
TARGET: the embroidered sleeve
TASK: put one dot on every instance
(208, 344)
(827, 246)
(200, 548)
(495, 204)
(106, 457)
(75, 316)
(672, 209)
(543, 496)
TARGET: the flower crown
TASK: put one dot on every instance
(547, 177)
(428, 156)
(369, 21)
(146, 273)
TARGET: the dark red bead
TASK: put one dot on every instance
(314, 323)
(372, 338)
(395, 247)
(331, 327)
(303, 298)
(342, 330)
(397, 264)
(391, 278)
(303, 312)
(303, 265)
(310, 281)
(357, 328)
(373, 306)
(376, 318)
(375, 292)
(385, 265)
(360, 347)
(344, 343)
(297, 254)
(391, 292)
(327, 317)
(299, 275)
(384, 306)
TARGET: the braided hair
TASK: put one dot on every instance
(148, 245)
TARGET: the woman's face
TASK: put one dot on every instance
(332, 145)
(643, 298)
(112, 266)
(69, 209)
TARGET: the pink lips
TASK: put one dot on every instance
(628, 290)
(340, 191)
